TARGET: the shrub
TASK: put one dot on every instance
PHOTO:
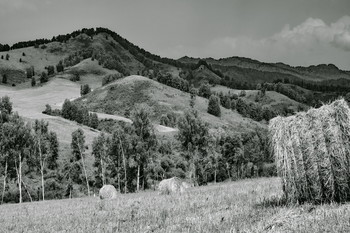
(44, 78)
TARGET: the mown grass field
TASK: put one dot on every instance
(241, 206)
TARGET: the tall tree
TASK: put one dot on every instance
(120, 153)
(146, 140)
(193, 135)
(100, 153)
(78, 149)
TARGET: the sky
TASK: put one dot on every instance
(296, 32)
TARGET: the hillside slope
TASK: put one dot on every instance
(124, 94)
(271, 99)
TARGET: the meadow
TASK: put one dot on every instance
(252, 205)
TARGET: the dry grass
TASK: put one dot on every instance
(243, 206)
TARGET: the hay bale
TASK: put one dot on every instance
(108, 192)
(173, 185)
(312, 153)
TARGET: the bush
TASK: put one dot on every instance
(85, 89)
(44, 78)
(75, 77)
(50, 70)
(204, 90)
(242, 93)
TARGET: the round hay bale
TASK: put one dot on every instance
(108, 192)
(173, 185)
(312, 153)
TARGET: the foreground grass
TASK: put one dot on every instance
(243, 206)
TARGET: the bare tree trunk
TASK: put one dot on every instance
(138, 178)
(102, 173)
(87, 182)
(215, 176)
(42, 181)
(41, 169)
(19, 172)
(4, 187)
(25, 188)
(85, 173)
(119, 183)
(124, 163)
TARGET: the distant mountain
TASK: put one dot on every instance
(240, 65)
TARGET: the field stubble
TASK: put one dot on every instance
(243, 206)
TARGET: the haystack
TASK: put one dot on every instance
(312, 153)
(108, 192)
(173, 185)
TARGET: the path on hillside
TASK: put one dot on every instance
(158, 128)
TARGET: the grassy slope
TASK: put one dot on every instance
(37, 57)
(30, 102)
(125, 93)
(272, 99)
(242, 206)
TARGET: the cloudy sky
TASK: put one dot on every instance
(297, 32)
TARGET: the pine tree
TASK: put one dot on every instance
(214, 106)
(4, 79)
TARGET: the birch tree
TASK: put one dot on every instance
(78, 149)
(100, 153)
(45, 150)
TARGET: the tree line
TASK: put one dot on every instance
(131, 157)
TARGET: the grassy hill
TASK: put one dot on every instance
(271, 99)
(124, 94)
